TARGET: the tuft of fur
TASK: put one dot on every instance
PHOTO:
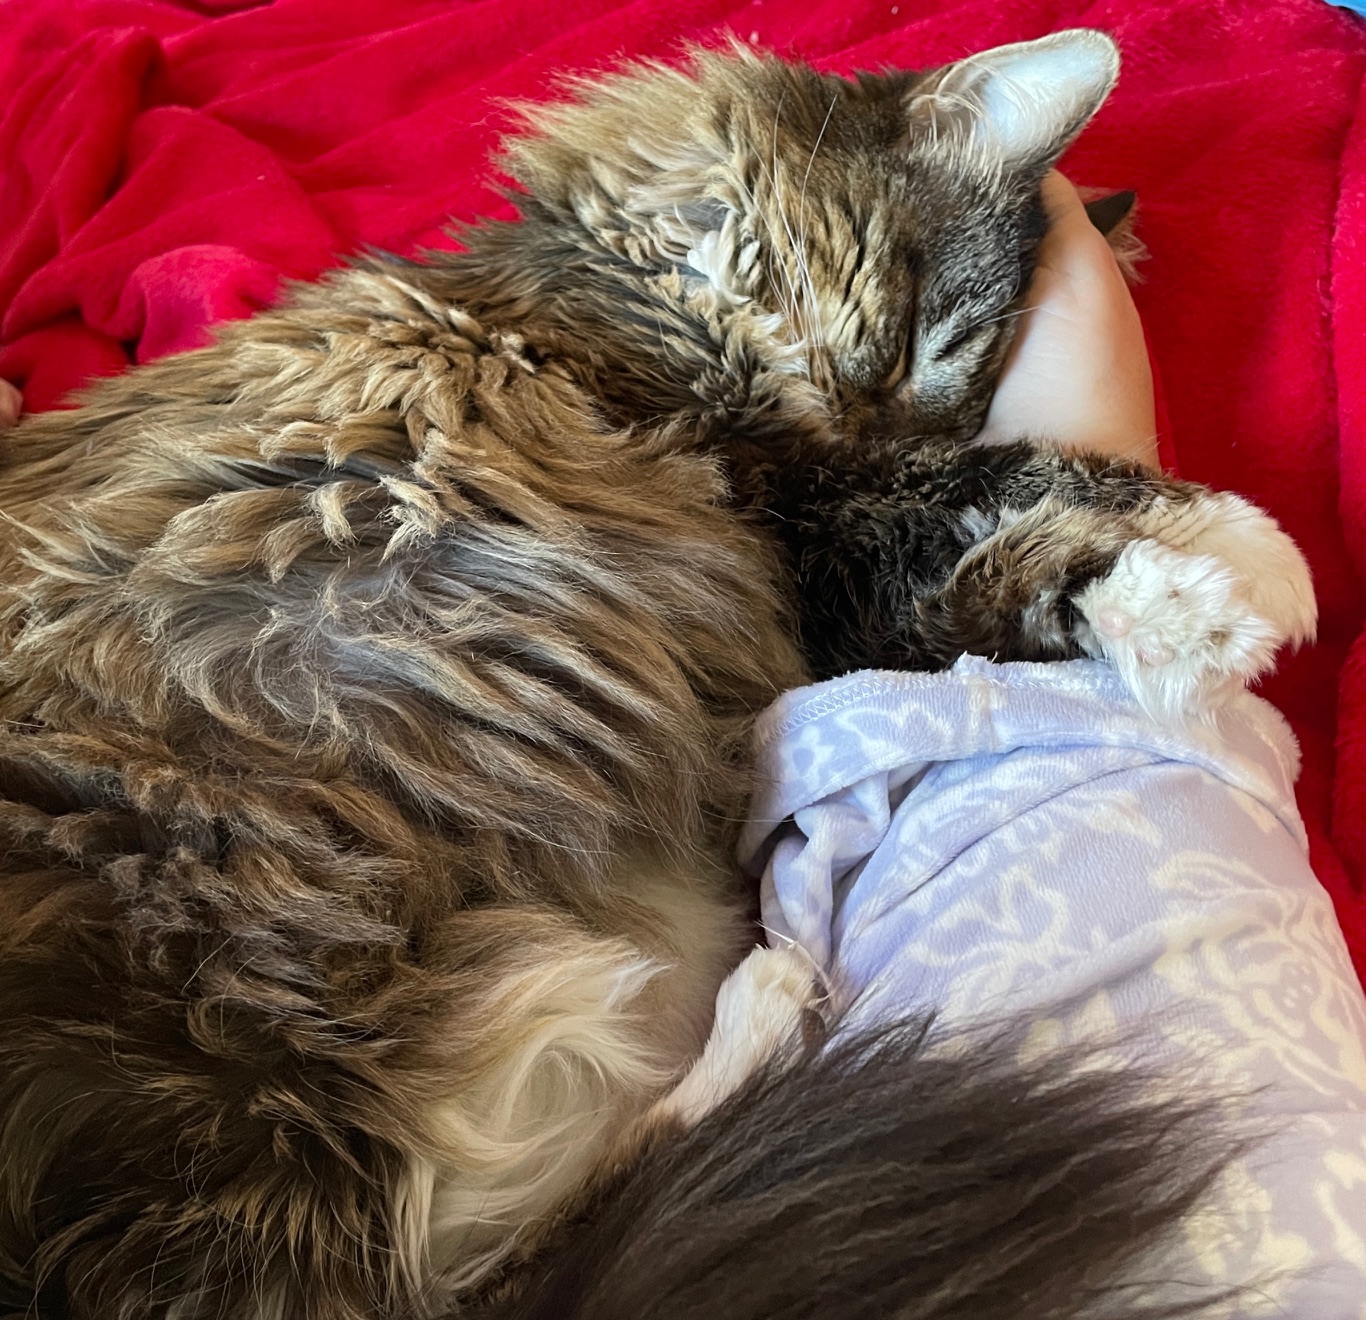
(890, 1177)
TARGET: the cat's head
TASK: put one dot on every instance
(866, 239)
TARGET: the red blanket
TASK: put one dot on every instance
(163, 165)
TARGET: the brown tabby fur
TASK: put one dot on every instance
(325, 795)
(375, 686)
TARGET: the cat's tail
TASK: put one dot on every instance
(885, 1178)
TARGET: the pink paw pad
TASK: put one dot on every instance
(1114, 623)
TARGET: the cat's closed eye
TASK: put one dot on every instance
(898, 372)
(959, 342)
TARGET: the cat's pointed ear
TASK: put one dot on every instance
(1019, 106)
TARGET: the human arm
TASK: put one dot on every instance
(1078, 372)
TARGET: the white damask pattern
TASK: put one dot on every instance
(1024, 840)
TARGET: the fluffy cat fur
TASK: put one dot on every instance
(375, 686)
(885, 1178)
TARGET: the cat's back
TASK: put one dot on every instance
(365, 362)
(367, 516)
(354, 679)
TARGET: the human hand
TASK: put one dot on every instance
(1078, 372)
(11, 404)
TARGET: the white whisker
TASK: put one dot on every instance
(791, 299)
(1004, 316)
(801, 286)
(813, 357)
(812, 159)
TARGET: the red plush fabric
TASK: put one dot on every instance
(164, 165)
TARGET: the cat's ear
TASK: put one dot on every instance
(639, 159)
(1019, 106)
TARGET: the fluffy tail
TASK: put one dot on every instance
(883, 1179)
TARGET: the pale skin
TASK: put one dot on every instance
(1078, 372)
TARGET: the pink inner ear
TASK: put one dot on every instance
(1023, 104)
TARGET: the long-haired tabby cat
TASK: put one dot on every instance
(375, 687)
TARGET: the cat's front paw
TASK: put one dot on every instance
(1199, 606)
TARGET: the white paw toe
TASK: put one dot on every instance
(1201, 606)
(765, 999)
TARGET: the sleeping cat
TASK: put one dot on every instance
(376, 683)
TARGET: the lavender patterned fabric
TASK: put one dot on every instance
(1022, 840)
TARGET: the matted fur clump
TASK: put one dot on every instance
(375, 683)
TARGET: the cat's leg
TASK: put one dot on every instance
(1201, 603)
(908, 556)
(767, 1010)
(1189, 597)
